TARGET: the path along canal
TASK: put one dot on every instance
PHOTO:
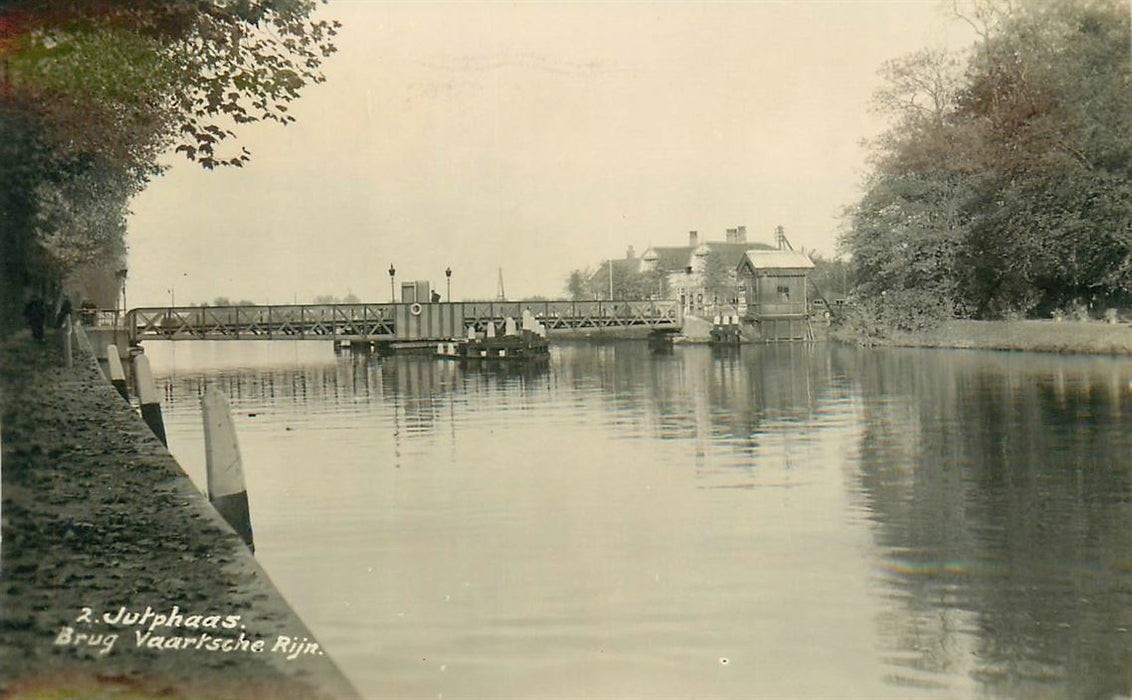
(790, 521)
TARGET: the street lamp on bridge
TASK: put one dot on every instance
(448, 281)
(392, 273)
(121, 275)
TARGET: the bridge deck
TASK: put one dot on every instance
(388, 322)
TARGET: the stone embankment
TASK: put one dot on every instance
(118, 577)
(1083, 337)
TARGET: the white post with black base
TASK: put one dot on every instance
(147, 397)
(226, 489)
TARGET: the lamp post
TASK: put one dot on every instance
(448, 281)
(392, 273)
(121, 275)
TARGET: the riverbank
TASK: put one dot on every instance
(119, 578)
(1081, 337)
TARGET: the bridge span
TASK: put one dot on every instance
(390, 322)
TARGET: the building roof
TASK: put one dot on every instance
(672, 257)
(676, 258)
(732, 253)
(779, 260)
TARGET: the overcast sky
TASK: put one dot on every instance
(536, 138)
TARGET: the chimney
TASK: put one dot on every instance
(731, 235)
(693, 239)
(741, 234)
(630, 253)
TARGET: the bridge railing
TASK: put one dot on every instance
(578, 314)
(615, 313)
(384, 321)
(282, 321)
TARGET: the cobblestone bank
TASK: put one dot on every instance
(118, 577)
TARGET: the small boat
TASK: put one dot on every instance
(515, 345)
(726, 331)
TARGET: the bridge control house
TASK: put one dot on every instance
(774, 287)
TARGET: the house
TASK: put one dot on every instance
(774, 285)
(701, 274)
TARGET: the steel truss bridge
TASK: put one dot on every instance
(392, 322)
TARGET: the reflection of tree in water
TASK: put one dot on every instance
(1002, 490)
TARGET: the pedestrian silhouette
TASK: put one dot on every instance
(35, 313)
(64, 312)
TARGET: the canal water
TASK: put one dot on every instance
(792, 521)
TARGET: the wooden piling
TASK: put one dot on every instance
(147, 396)
(226, 488)
(117, 374)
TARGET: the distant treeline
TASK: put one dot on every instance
(1003, 188)
(350, 298)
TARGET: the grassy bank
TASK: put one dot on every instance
(1084, 337)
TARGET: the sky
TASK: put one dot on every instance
(534, 139)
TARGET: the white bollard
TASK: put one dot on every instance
(117, 374)
(226, 489)
(68, 357)
(147, 397)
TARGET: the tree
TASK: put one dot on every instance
(1005, 191)
(126, 79)
(719, 278)
(832, 277)
(577, 284)
(92, 93)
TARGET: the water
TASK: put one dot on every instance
(776, 522)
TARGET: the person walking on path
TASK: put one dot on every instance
(36, 314)
(64, 312)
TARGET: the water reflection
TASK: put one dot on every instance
(831, 521)
(1000, 486)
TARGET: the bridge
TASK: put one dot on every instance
(392, 322)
